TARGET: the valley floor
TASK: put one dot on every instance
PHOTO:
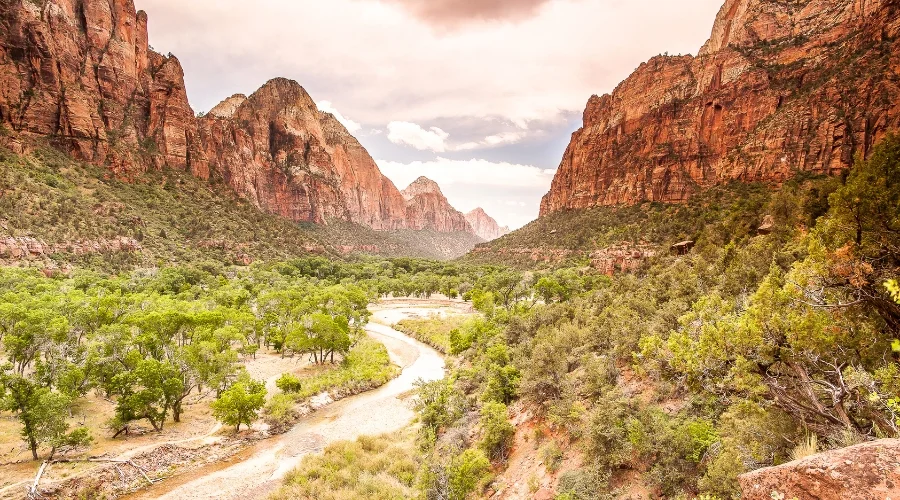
(215, 463)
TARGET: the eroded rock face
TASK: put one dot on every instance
(81, 73)
(869, 471)
(485, 226)
(780, 88)
(276, 149)
(428, 209)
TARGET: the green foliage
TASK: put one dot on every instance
(496, 431)
(366, 366)
(591, 483)
(149, 391)
(551, 455)
(240, 403)
(42, 413)
(438, 405)
(432, 331)
(289, 383)
(280, 412)
(467, 472)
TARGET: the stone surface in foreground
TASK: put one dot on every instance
(868, 471)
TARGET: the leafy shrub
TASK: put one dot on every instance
(280, 412)
(467, 472)
(289, 383)
(591, 483)
(496, 431)
(240, 404)
(551, 455)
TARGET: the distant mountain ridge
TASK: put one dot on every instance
(779, 88)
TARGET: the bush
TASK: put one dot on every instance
(605, 429)
(289, 384)
(382, 467)
(585, 484)
(240, 404)
(552, 456)
(280, 412)
(496, 430)
(467, 471)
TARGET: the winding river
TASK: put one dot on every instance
(257, 471)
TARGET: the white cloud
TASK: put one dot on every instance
(437, 140)
(379, 65)
(504, 138)
(411, 134)
(508, 192)
(351, 125)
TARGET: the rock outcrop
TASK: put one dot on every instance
(485, 226)
(81, 74)
(24, 248)
(869, 471)
(276, 149)
(779, 88)
(428, 209)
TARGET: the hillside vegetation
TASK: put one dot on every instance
(174, 218)
(714, 218)
(750, 350)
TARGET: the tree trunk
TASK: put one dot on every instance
(32, 443)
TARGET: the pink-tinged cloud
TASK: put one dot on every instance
(454, 12)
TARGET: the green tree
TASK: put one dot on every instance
(149, 391)
(42, 413)
(240, 404)
(466, 472)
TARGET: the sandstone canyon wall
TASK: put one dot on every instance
(81, 74)
(428, 209)
(863, 472)
(276, 149)
(779, 88)
(485, 226)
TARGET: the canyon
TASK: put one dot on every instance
(780, 88)
(81, 75)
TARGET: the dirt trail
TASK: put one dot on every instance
(259, 470)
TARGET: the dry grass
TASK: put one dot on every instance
(382, 467)
(807, 448)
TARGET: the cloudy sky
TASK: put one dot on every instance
(479, 95)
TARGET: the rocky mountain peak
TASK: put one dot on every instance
(422, 185)
(228, 107)
(485, 226)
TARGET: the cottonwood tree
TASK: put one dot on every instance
(240, 403)
(148, 391)
(42, 413)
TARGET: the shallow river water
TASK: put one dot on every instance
(257, 471)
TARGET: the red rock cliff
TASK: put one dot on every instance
(276, 149)
(428, 208)
(80, 72)
(780, 88)
(485, 226)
